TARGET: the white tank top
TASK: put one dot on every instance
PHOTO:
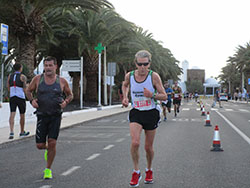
(139, 101)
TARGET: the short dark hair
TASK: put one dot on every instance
(17, 66)
(50, 58)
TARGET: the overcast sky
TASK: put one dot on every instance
(203, 32)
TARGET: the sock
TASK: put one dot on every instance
(137, 171)
(148, 169)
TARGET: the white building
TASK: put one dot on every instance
(183, 76)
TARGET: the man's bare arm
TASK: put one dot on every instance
(161, 95)
(67, 91)
(8, 84)
(24, 80)
(125, 90)
(32, 87)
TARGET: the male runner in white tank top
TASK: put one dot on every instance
(145, 88)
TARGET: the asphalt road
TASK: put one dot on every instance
(96, 153)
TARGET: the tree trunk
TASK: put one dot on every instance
(92, 89)
(91, 71)
(76, 86)
(27, 53)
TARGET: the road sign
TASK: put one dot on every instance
(71, 65)
(112, 69)
(99, 48)
(4, 38)
(248, 81)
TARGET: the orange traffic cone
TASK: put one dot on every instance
(216, 141)
(208, 120)
(203, 113)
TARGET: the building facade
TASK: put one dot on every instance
(196, 74)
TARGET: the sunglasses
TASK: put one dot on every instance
(144, 64)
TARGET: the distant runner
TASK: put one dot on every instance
(167, 103)
(176, 98)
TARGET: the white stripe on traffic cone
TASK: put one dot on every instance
(208, 120)
(216, 141)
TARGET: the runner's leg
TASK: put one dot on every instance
(135, 133)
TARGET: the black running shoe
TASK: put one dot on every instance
(11, 136)
(24, 134)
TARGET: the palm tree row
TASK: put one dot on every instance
(70, 29)
(235, 73)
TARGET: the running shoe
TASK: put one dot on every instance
(178, 110)
(46, 155)
(135, 179)
(165, 119)
(11, 136)
(149, 177)
(175, 114)
(24, 134)
(47, 174)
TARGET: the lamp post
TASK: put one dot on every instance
(99, 48)
(242, 78)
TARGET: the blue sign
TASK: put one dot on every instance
(4, 38)
(248, 81)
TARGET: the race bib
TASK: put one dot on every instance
(143, 103)
(176, 95)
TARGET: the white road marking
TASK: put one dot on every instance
(123, 121)
(46, 186)
(108, 147)
(214, 109)
(198, 109)
(189, 104)
(93, 156)
(243, 110)
(185, 109)
(247, 139)
(70, 171)
(120, 140)
(115, 121)
(229, 109)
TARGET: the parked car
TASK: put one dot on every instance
(223, 97)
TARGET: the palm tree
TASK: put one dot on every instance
(26, 22)
(105, 27)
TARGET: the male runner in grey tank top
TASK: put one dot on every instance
(49, 104)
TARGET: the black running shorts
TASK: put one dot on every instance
(147, 119)
(47, 126)
(177, 101)
(17, 102)
(168, 105)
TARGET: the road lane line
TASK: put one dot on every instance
(108, 147)
(120, 139)
(243, 110)
(247, 139)
(228, 109)
(71, 170)
(185, 109)
(93, 156)
(46, 186)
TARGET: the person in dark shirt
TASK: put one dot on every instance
(49, 104)
(16, 85)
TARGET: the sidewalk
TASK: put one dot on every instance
(68, 119)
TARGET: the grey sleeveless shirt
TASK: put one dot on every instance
(49, 97)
